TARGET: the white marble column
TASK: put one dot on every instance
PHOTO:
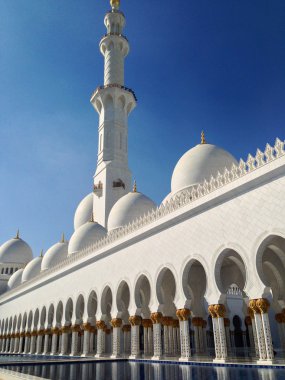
(47, 342)
(195, 324)
(204, 332)
(260, 309)
(33, 342)
(86, 339)
(185, 346)
(135, 322)
(27, 343)
(147, 325)
(54, 340)
(280, 319)
(116, 349)
(217, 312)
(39, 342)
(150, 339)
(127, 341)
(156, 319)
(74, 342)
(248, 322)
(228, 335)
(65, 330)
(17, 342)
(100, 350)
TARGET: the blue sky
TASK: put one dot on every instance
(195, 64)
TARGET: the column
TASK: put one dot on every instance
(217, 312)
(7, 343)
(17, 342)
(33, 342)
(47, 333)
(54, 340)
(248, 323)
(204, 332)
(195, 324)
(185, 347)
(21, 343)
(27, 342)
(100, 339)
(86, 327)
(280, 319)
(92, 336)
(156, 319)
(175, 337)
(39, 342)
(74, 342)
(12, 343)
(135, 322)
(65, 330)
(116, 349)
(127, 339)
(260, 309)
(147, 340)
(228, 335)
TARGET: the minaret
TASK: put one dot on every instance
(113, 102)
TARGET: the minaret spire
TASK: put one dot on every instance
(113, 101)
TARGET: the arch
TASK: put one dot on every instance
(194, 284)
(79, 308)
(59, 313)
(270, 264)
(143, 295)
(50, 316)
(36, 318)
(68, 311)
(166, 290)
(24, 321)
(92, 304)
(230, 269)
(123, 300)
(14, 323)
(19, 322)
(43, 316)
(106, 302)
(122, 102)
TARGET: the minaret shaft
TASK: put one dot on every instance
(113, 102)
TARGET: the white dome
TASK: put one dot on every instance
(83, 212)
(32, 269)
(15, 279)
(128, 208)
(54, 255)
(15, 251)
(198, 164)
(86, 235)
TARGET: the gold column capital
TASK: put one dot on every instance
(166, 321)
(156, 317)
(135, 320)
(147, 323)
(126, 328)
(263, 304)
(116, 322)
(100, 325)
(183, 314)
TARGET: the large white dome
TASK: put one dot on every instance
(15, 279)
(32, 269)
(198, 164)
(55, 254)
(128, 208)
(83, 211)
(86, 235)
(15, 251)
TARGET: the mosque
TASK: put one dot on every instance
(200, 275)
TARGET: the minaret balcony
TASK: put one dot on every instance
(115, 34)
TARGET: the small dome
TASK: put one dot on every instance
(15, 251)
(83, 211)
(128, 208)
(55, 254)
(32, 269)
(86, 235)
(198, 164)
(15, 280)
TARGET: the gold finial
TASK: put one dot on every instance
(135, 186)
(115, 4)
(203, 139)
(17, 235)
(62, 238)
(42, 253)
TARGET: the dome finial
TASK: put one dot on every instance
(42, 253)
(62, 238)
(203, 138)
(18, 234)
(115, 4)
(135, 186)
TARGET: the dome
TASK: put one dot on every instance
(32, 269)
(128, 208)
(55, 254)
(15, 251)
(83, 211)
(86, 235)
(198, 164)
(15, 280)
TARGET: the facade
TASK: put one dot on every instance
(201, 274)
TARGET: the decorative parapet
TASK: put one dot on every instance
(183, 199)
(114, 85)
